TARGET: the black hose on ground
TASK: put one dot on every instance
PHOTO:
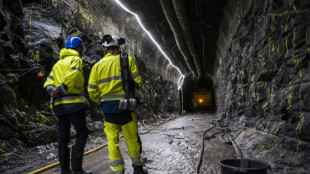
(226, 140)
(202, 149)
(231, 141)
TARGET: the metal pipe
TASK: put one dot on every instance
(168, 10)
(180, 10)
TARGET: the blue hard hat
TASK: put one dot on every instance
(74, 42)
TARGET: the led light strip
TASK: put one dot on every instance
(181, 79)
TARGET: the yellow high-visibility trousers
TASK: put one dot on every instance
(126, 121)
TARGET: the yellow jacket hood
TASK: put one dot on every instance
(68, 52)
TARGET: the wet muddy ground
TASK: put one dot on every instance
(171, 147)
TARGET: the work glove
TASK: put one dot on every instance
(62, 89)
(52, 91)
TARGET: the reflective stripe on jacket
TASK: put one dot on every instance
(68, 71)
(105, 81)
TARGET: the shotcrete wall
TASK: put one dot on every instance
(263, 80)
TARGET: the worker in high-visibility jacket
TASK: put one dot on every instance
(105, 87)
(65, 85)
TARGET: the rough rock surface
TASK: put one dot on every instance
(31, 36)
(263, 90)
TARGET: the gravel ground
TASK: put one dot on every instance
(172, 147)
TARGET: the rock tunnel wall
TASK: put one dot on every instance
(91, 21)
(32, 34)
(107, 17)
(263, 80)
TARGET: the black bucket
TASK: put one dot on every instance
(243, 166)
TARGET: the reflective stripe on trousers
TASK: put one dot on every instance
(130, 132)
(137, 161)
(117, 166)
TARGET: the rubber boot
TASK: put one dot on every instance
(139, 169)
(77, 160)
(64, 160)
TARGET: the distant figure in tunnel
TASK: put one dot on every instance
(105, 87)
(65, 86)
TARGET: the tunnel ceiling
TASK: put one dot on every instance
(204, 18)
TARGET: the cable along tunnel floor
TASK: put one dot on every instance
(170, 148)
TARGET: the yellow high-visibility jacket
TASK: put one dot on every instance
(68, 71)
(105, 81)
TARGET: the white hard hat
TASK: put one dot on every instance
(111, 40)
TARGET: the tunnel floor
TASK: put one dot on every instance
(170, 148)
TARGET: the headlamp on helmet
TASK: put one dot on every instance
(110, 40)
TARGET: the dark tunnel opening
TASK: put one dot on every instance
(198, 95)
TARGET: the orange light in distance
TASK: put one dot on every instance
(200, 100)
(40, 74)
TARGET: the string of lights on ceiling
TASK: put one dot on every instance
(181, 79)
